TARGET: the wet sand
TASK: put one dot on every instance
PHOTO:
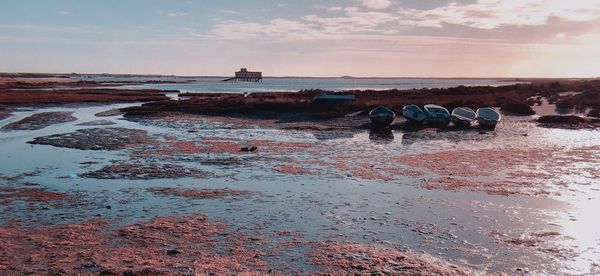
(171, 190)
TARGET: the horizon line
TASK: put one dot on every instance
(313, 77)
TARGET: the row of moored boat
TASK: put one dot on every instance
(434, 114)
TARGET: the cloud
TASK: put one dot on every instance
(230, 11)
(61, 12)
(37, 28)
(352, 21)
(274, 29)
(175, 14)
(376, 4)
(516, 21)
(492, 14)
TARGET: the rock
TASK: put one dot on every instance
(109, 113)
(97, 123)
(173, 252)
(40, 121)
(249, 149)
(96, 139)
(358, 267)
(127, 170)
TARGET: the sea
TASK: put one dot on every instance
(293, 84)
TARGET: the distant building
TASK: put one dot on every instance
(245, 75)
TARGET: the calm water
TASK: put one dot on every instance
(214, 84)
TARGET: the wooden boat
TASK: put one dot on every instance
(381, 117)
(463, 116)
(488, 117)
(413, 113)
(436, 114)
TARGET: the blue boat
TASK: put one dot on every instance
(413, 113)
(463, 116)
(381, 117)
(333, 99)
(436, 114)
(487, 117)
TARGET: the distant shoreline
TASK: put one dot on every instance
(69, 75)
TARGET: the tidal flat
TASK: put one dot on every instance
(172, 192)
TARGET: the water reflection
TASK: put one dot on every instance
(381, 136)
(333, 134)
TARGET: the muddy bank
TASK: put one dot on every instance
(514, 172)
(511, 98)
(97, 123)
(327, 126)
(163, 246)
(143, 170)
(171, 146)
(29, 194)
(360, 259)
(21, 97)
(40, 121)
(201, 193)
(568, 122)
(109, 113)
(194, 245)
(96, 139)
(44, 81)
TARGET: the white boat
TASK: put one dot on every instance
(488, 117)
(436, 114)
(463, 116)
(382, 117)
(413, 113)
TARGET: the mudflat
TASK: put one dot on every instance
(269, 183)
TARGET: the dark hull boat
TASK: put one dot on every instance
(488, 117)
(414, 114)
(463, 116)
(436, 114)
(382, 117)
(332, 99)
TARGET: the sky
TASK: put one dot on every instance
(379, 38)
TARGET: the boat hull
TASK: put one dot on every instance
(437, 114)
(488, 117)
(461, 122)
(487, 123)
(381, 120)
(414, 114)
(463, 116)
(382, 117)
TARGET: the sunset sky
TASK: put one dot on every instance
(404, 38)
